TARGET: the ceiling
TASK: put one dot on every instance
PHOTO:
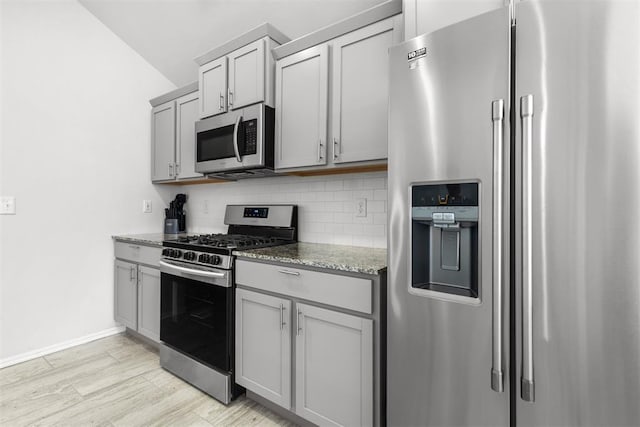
(169, 34)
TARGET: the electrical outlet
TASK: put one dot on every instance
(361, 207)
(146, 206)
(205, 206)
(8, 205)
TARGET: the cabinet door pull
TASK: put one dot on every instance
(177, 169)
(336, 149)
(221, 105)
(282, 322)
(320, 145)
(291, 273)
(132, 274)
(170, 169)
(230, 97)
(299, 329)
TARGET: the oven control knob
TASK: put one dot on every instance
(203, 258)
(189, 256)
(166, 252)
(176, 253)
(215, 260)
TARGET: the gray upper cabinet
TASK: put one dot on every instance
(163, 131)
(334, 367)
(239, 72)
(338, 119)
(301, 108)
(212, 78)
(173, 137)
(247, 75)
(360, 93)
(186, 116)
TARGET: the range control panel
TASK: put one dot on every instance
(256, 212)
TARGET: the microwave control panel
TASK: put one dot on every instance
(250, 137)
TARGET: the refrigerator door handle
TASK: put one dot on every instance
(497, 118)
(527, 389)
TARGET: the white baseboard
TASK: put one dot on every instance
(13, 360)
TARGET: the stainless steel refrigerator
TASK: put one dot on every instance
(514, 215)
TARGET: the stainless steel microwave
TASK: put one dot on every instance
(238, 144)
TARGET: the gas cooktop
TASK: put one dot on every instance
(250, 227)
(229, 241)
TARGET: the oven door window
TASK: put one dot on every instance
(196, 319)
(217, 144)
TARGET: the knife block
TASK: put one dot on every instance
(182, 222)
(171, 226)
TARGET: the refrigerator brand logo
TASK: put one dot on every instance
(417, 54)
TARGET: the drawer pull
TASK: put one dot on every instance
(291, 273)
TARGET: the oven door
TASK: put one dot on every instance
(231, 141)
(196, 313)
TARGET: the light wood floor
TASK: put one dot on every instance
(114, 381)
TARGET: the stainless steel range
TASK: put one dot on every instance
(197, 295)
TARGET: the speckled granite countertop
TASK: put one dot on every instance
(153, 239)
(334, 257)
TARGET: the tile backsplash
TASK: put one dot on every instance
(326, 205)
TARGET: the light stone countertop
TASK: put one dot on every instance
(153, 239)
(353, 259)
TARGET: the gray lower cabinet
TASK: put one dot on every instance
(306, 340)
(149, 302)
(263, 345)
(334, 367)
(126, 293)
(137, 288)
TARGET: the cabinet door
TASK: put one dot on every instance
(163, 141)
(301, 108)
(360, 89)
(186, 116)
(246, 75)
(334, 367)
(149, 302)
(126, 293)
(212, 79)
(263, 345)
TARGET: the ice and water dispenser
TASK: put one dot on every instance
(444, 244)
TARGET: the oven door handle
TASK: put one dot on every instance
(236, 149)
(192, 271)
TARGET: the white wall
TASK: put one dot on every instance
(326, 205)
(75, 154)
(426, 16)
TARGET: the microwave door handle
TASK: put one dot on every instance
(236, 149)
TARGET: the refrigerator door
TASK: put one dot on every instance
(578, 270)
(443, 127)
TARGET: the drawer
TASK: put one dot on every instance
(352, 293)
(140, 254)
